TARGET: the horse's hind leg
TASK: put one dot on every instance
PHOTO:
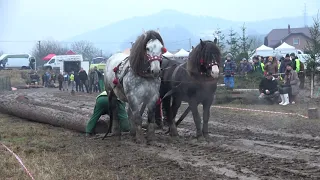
(113, 103)
(167, 106)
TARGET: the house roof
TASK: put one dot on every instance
(277, 35)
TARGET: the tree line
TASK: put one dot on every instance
(43, 48)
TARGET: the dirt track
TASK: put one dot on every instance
(243, 145)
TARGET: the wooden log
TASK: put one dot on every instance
(61, 115)
(313, 113)
(5, 83)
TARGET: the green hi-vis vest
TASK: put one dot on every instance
(297, 65)
(262, 67)
(71, 77)
(104, 93)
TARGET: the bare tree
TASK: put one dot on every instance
(86, 48)
(256, 42)
(313, 47)
(43, 48)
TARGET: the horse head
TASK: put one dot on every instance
(149, 48)
(205, 58)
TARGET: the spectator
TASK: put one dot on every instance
(229, 70)
(257, 65)
(93, 79)
(65, 81)
(284, 64)
(268, 88)
(83, 77)
(77, 81)
(290, 89)
(60, 81)
(72, 81)
(245, 67)
(271, 66)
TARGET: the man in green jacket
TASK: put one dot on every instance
(102, 108)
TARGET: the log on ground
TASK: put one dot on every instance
(27, 107)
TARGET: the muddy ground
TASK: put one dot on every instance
(243, 145)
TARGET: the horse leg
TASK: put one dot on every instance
(166, 102)
(131, 122)
(176, 103)
(151, 123)
(136, 128)
(196, 118)
(158, 115)
(115, 110)
(206, 116)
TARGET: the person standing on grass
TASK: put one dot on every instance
(102, 108)
(72, 82)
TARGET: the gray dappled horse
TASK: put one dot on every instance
(135, 79)
(194, 82)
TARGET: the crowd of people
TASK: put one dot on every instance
(79, 81)
(280, 77)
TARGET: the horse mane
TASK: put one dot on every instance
(137, 57)
(205, 50)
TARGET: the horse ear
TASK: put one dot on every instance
(158, 30)
(201, 42)
(215, 40)
(143, 31)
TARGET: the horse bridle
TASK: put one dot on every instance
(151, 59)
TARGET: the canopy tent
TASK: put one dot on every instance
(48, 57)
(264, 51)
(70, 53)
(168, 54)
(285, 46)
(264, 48)
(182, 53)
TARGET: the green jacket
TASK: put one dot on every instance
(297, 65)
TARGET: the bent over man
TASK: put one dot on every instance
(269, 88)
(102, 108)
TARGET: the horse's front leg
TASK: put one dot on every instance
(136, 120)
(196, 117)
(206, 115)
(151, 122)
(176, 103)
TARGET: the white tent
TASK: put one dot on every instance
(264, 48)
(284, 46)
(168, 54)
(182, 53)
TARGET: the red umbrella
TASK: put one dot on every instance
(48, 57)
(70, 52)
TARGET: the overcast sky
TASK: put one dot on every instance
(30, 20)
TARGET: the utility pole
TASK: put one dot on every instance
(305, 15)
(100, 52)
(190, 43)
(39, 46)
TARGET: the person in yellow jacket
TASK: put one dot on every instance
(102, 108)
(72, 81)
(295, 62)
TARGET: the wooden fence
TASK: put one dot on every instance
(5, 83)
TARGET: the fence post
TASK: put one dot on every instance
(5, 83)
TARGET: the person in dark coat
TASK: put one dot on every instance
(60, 81)
(83, 77)
(77, 81)
(268, 88)
(284, 64)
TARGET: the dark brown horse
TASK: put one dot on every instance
(194, 82)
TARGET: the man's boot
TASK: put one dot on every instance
(286, 99)
(282, 99)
